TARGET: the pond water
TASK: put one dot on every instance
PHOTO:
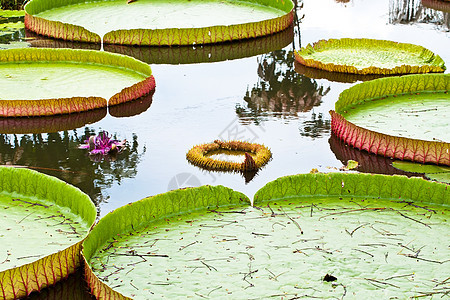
(255, 95)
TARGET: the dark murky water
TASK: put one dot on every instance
(248, 90)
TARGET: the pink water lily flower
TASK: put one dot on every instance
(103, 144)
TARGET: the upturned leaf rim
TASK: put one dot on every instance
(397, 147)
(22, 280)
(58, 106)
(432, 63)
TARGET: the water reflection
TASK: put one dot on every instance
(413, 11)
(317, 127)
(51, 123)
(40, 41)
(368, 163)
(280, 91)
(72, 288)
(332, 76)
(57, 154)
(24, 125)
(12, 32)
(234, 156)
(247, 175)
(180, 54)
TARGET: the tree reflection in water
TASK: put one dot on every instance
(280, 91)
(57, 154)
(413, 11)
(317, 127)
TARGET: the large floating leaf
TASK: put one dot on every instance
(11, 13)
(60, 81)
(43, 223)
(369, 56)
(145, 214)
(401, 117)
(349, 184)
(365, 231)
(159, 22)
(437, 173)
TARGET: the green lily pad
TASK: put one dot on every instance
(370, 232)
(441, 177)
(43, 222)
(11, 13)
(369, 56)
(160, 22)
(401, 117)
(437, 173)
(62, 81)
(150, 212)
(4, 27)
(419, 168)
(416, 116)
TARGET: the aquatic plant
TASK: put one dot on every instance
(264, 17)
(432, 172)
(197, 156)
(300, 228)
(107, 79)
(369, 56)
(103, 144)
(402, 137)
(152, 209)
(43, 223)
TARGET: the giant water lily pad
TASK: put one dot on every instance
(160, 22)
(368, 233)
(37, 82)
(43, 222)
(138, 216)
(432, 172)
(369, 56)
(400, 117)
